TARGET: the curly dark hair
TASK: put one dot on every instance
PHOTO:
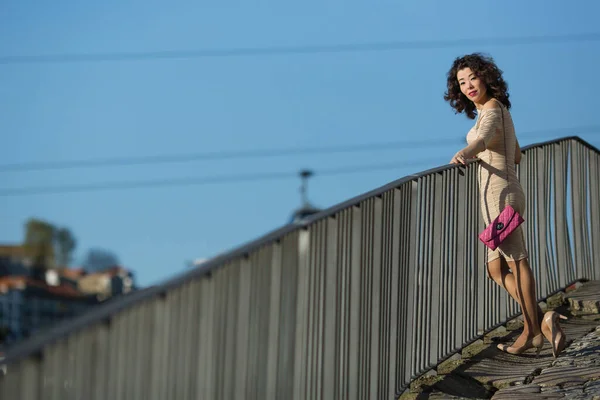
(486, 69)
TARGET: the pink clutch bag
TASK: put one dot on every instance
(502, 226)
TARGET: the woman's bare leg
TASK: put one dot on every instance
(525, 287)
(500, 273)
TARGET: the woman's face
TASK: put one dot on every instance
(470, 85)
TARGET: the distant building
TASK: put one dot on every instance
(29, 304)
(28, 255)
(33, 297)
(8, 266)
(110, 282)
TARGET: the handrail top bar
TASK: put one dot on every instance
(562, 139)
(104, 312)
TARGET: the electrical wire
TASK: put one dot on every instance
(205, 180)
(265, 153)
(290, 50)
(226, 155)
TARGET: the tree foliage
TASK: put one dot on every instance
(65, 245)
(47, 244)
(98, 259)
(39, 242)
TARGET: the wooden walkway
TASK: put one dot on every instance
(484, 372)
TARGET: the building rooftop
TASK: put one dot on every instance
(23, 282)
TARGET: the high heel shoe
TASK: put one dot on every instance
(536, 342)
(557, 337)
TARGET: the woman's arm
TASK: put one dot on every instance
(517, 153)
(476, 147)
(491, 120)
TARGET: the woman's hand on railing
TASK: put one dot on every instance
(462, 156)
(459, 158)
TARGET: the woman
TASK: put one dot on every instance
(475, 86)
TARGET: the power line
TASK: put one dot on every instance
(265, 153)
(172, 182)
(224, 155)
(238, 178)
(289, 50)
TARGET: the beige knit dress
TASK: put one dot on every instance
(497, 179)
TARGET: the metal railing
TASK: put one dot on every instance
(352, 304)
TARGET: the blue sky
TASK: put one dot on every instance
(71, 111)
